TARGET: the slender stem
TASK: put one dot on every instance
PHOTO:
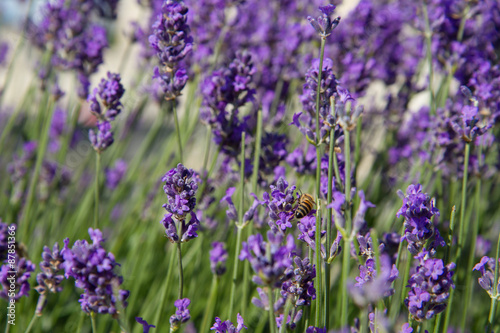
(80, 322)
(491, 316)
(96, 201)
(357, 145)
(239, 226)
(331, 155)
(288, 307)
(177, 129)
(461, 234)
(347, 241)
(235, 272)
(470, 263)
(33, 319)
(395, 299)
(318, 282)
(42, 149)
(166, 286)
(209, 309)
(240, 217)
(256, 160)
(7, 326)
(272, 322)
(92, 320)
(181, 274)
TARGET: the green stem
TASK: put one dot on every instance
(357, 144)
(272, 322)
(166, 286)
(33, 319)
(209, 309)
(461, 234)
(42, 149)
(80, 322)
(92, 320)
(288, 307)
(239, 225)
(177, 129)
(256, 159)
(318, 283)
(181, 274)
(207, 149)
(96, 197)
(347, 241)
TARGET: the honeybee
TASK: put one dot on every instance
(305, 206)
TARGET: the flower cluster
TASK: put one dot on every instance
(180, 188)
(328, 88)
(182, 314)
(430, 286)
(487, 279)
(171, 41)
(18, 281)
(417, 210)
(218, 258)
(281, 203)
(224, 93)
(268, 260)
(105, 105)
(145, 326)
(232, 213)
(76, 42)
(5, 230)
(114, 175)
(370, 287)
(324, 24)
(227, 326)
(299, 282)
(94, 271)
(49, 280)
(307, 228)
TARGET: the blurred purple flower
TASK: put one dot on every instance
(487, 279)
(145, 326)
(430, 286)
(4, 49)
(227, 326)
(182, 314)
(102, 138)
(307, 228)
(6, 232)
(105, 100)
(218, 258)
(268, 260)
(417, 210)
(114, 175)
(324, 24)
(94, 271)
(14, 275)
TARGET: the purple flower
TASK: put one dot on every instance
(180, 188)
(371, 287)
(171, 41)
(7, 233)
(292, 319)
(417, 210)
(263, 301)
(307, 228)
(115, 175)
(281, 205)
(312, 329)
(299, 283)
(218, 257)
(49, 280)
(94, 271)
(268, 260)
(14, 275)
(57, 128)
(146, 327)
(224, 93)
(4, 49)
(105, 100)
(328, 88)
(406, 328)
(487, 279)
(227, 326)
(182, 314)
(430, 286)
(103, 138)
(324, 24)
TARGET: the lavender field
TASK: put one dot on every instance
(249, 166)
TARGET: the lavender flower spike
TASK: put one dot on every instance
(324, 24)
(487, 279)
(103, 138)
(145, 326)
(182, 314)
(218, 257)
(107, 96)
(227, 326)
(23, 268)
